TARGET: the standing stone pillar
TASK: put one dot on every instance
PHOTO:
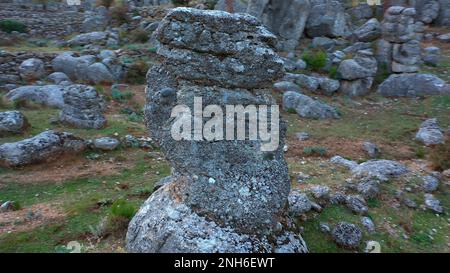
(398, 50)
(225, 195)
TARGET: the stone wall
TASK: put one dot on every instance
(43, 23)
(10, 62)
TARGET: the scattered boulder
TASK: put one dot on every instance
(40, 148)
(12, 122)
(49, 95)
(368, 32)
(86, 69)
(368, 188)
(368, 224)
(372, 149)
(383, 170)
(96, 37)
(32, 69)
(59, 78)
(430, 133)
(320, 192)
(328, 18)
(286, 19)
(298, 203)
(413, 85)
(339, 160)
(445, 38)
(285, 86)
(433, 204)
(432, 55)
(106, 143)
(83, 107)
(307, 107)
(430, 183)
(356, 204)
(302, 136)
(347, 235)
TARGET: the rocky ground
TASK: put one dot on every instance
(90, 195)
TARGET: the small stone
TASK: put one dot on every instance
(368, 224)
(372, 150)
(430, 183)
(106, 143)
(324, 227)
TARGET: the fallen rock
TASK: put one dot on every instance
(430, 133)
(413, 85)
(347, 235)
(49, 95)
(106, 143)
(307, 107)
(368, 224)
(12, 122)
(46, 146)
(298, 203)
(430, 183)
(32, 69)
(433, 204)
(356, 204)
(83, 107)
(339, 160)
(383, 170)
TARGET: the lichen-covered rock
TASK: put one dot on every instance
(347, 235)
(164, 224)
(430, 133)
(49, 95)
(298, 203)
(413, 85)
(32, 69)
(339, 160)
(307, 107)
(40, 148)
(328, 18)
(12, 122)
(83, 107)
(398, 24)
(356, 204)
(225, 195)
(433, 204)
(106, 143)
(430, 183)
(286, 19)
(383, 170)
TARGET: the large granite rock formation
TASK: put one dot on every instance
(224, 195)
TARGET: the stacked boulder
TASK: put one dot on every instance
(357, 74)
(223, 195)
(399, 52)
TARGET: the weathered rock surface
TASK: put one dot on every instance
(83, 107)
(398, 24)
(12, 122)
(368, 32)
(40, 148)
(49, 95)
(413, 85)
(347, 235)
(286, 19)
(298, 203)
(430, 133)
(383, 170)
(32, 69)
(106, 143)
(328, 18)
(307, 107)
(226, 196)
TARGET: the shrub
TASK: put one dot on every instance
(210, 4)
(315, 59)
(319, 151)
(119, 14)
(16, 205)
(120, 96)
(136, 72)
(122, 208)
(180, 2)
(139, 36)
(440, 157)
(333, 73)
(12, 25)
(105, 3)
